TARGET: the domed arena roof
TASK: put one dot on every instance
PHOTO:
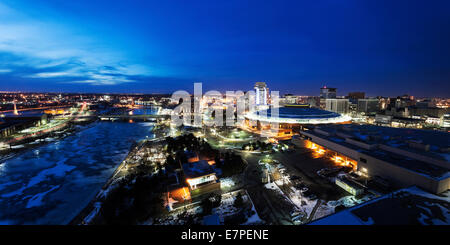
(297, 115)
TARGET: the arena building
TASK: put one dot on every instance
(290, 120)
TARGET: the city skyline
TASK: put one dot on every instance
(212, 121)
(381, 48)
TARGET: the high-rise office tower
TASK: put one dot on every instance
(328, 93)
(261, 93)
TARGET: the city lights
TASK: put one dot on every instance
(252, 115)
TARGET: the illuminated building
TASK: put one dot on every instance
(55, 111)
(350, 186)
(404, 157)
(261, 93)
(291, 99)
(200, 177)
(446, 121)
(337, 105)
(368, 106)
(11, 124)
(291, 119)
(328, 93)
(177, 196)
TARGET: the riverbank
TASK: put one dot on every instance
(89, 214)
(51, 184)
(93, 206)
(38, 141)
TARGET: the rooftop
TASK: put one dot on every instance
(197, 169)
(298, 114)
(433, 144)
(410, 206)
(417, 166)
(212, 219)
(439, 141)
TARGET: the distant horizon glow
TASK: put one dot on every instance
(382, 48)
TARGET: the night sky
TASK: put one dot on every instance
(385, 48)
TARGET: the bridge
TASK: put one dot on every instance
(128, 117)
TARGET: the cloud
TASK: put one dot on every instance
(36, 49)
(50, 74)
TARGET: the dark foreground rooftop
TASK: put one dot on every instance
(410, 206)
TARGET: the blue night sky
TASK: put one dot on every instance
(381, 47)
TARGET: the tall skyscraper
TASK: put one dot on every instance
(261, 93)
(328, 93)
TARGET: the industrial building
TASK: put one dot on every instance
(404, 157)
(368, 106)
(11, 124)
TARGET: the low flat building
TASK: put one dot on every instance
(11, 124)
(405, 157)
(7, 128)
(200, 177)
(349, 186)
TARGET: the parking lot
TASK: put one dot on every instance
(300, 194)
(305, 164)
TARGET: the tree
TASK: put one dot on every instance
(206, 205)
(170, 161)
(239, 201)
(213, 201)
(218, 161)
(233, 164)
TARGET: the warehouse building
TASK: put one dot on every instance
(404, 157)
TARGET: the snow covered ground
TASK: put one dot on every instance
(225, 210)
(416, 203)
(306, 205)
(227, 182)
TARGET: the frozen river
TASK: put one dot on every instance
(52, 183)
